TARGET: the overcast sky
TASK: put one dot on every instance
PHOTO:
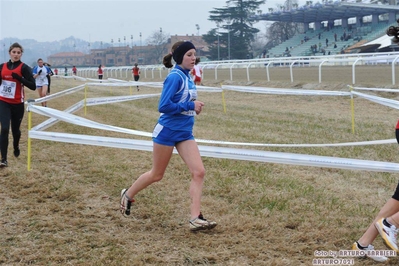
(99, 20)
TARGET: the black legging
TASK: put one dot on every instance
(10, 114)
(49, 83)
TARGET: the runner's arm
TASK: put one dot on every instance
(27, 77)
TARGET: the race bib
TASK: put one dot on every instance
(7, 89)
(193, 95)
(189, 113)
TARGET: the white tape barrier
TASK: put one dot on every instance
(116, 99)
(117, 80)
(79, 78)
(123, 83)
(69, 77)
(52, 120)
(61, 77)
(208, 89)
(134, 144)
(81, 87)
(96, 101)
(360, 143)
(112, 84)
(126, 84)
(216, 152)
(98, 80)
(149, 84)
(383, 101)
(79, 121)
(285, 91)
(227, 153)
(72, 119)
(376, 89)
(58, 94)
(91, 102)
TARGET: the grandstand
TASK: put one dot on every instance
(346, 26)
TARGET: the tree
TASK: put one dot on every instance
(279, 32)
(234, 33)
(261, 39)
(159, 41)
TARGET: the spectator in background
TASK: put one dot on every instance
(74, 70)
(56, 71)
(136, 73)
(196, 72)
(100, 73)
(65, 71)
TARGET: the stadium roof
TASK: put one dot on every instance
(327, 12)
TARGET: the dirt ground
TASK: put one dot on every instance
(65, 210)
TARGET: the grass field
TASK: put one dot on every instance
(65, 210)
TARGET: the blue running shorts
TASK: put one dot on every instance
(165, 136)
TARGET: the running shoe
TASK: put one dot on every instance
(3, 163)
(200, 223)
(126, 203)
(388, 233)
(16, 151)
(356, 246)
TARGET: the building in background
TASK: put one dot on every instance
(124, 55)
(67, 59)
(199, 43)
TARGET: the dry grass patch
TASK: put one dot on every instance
(65, 211)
